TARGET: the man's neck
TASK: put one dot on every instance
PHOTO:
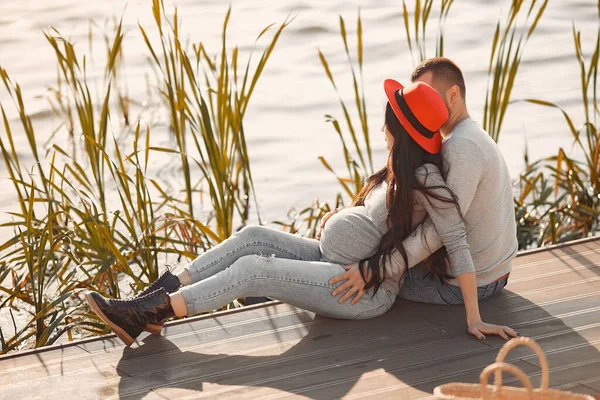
(454, 120)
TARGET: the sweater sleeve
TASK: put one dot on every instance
(466, 163)
(446, 219)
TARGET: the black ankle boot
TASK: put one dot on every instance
(170, 283)
(128, 318)
(167, 280)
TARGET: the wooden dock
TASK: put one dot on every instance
(275, 351)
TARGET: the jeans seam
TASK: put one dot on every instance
(231, 287)
(374, 311)
(453, 294)
(244, 246)
(489, 292)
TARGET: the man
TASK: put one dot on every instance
(478, 176)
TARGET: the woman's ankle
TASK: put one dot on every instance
(178, 304)
(184, 277)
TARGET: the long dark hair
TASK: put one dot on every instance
(399, 173)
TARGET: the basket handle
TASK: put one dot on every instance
(523, 341)
(498, 368)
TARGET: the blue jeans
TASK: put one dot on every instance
(422, 286)
(261, 261)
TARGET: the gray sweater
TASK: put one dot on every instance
(354, 233)
(478, 176)
(484, 242)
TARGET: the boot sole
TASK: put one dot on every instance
(154, 329)
(121, 334)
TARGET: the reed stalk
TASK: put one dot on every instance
(207, 100)
(559, 195)
(421, 13)
(92, 217)
(359, 158)
(508, 46)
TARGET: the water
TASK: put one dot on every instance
(285, 126)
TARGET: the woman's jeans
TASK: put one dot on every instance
(261, 261)
(422, 286)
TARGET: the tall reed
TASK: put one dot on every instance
(508, 46)
(39, 258)
(207, 101)
(92, 216)
(359, 158)
(559, 197)
(421, 14)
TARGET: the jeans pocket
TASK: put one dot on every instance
(452, 294)
(423, 294)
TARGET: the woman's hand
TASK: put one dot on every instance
(479, 329)
(353, 286)
(324, 220)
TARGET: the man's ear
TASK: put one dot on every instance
(453, 94)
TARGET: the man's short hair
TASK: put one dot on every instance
(444, 71)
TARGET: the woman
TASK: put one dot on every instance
(259, 261)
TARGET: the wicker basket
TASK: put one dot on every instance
(482, 390)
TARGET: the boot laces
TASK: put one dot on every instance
(138, 300)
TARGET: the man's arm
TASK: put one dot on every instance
(465, 162)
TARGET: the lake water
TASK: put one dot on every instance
(285, 124)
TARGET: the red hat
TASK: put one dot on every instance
(420, 110)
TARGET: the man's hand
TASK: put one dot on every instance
(479, 328)
(476, 327)
(324, 220)
(353, 286)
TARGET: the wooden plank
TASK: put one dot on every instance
(40, 359)
(217, 322)
(321, 369)
(509, 301)
(93, 383)
(589, 242)
(563, 375)
(429, 336)
(158, 350)
(110, 350)
(426, 370)
(319, 341)
(593, 384)
(554, 344)
(547, 262)
(385, 388)
(579, 389)
(559, 277)
(193, 362)
(564, 368)
(86, 365)
(270, 338)
(579, 350)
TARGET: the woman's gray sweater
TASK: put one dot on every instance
(354, 233)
